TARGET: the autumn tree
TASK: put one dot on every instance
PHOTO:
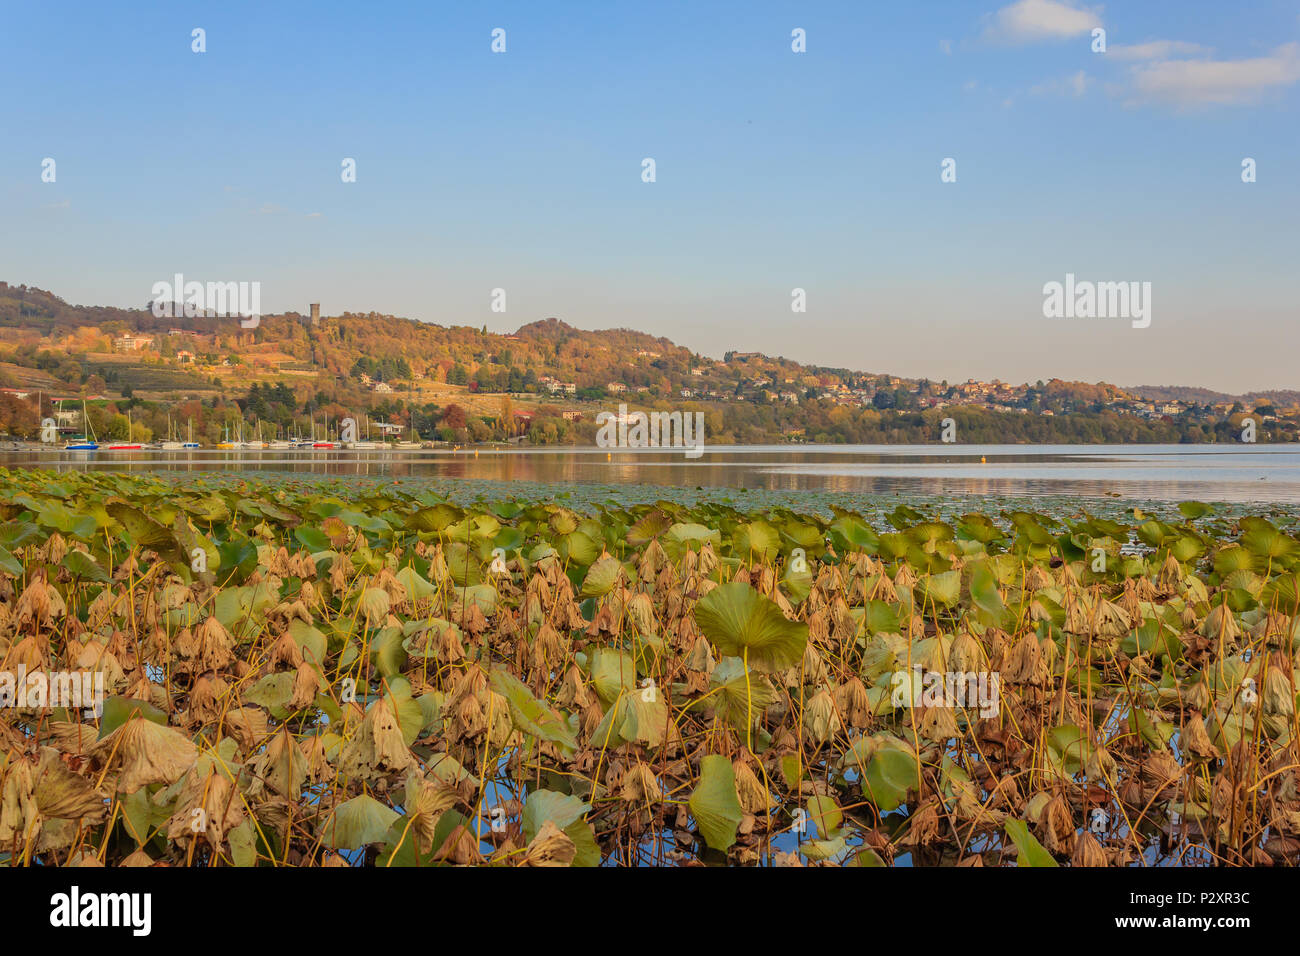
(453, 416)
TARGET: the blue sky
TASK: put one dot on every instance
(819, 170)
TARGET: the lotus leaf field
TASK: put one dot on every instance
(302, 674)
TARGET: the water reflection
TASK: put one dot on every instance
(1263, 473)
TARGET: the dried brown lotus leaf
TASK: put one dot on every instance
(550, 847)
(60, 793)
(144, 753)
(378, 745)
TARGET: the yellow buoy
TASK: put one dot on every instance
(983, 460)
(609, 456)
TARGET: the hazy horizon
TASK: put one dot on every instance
(775, 170)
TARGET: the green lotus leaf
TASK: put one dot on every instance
(1068, 748)
(825, 815)
(1232, 558)
(891, 773)
(578, 549)
(602, 577)
(743, 623)
(613, 673)
(756, 541)
(313, 643)
(1265, 541)
(1031, 852)
(562, 809)
(942, 588)
(417, 588)
(735, 699)
(82, 565)
(531, 715)
(648, 527)
(715, 804)
(356, 823)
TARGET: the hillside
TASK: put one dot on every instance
(459, 355)
(391, 349)
(1206, 396)
(547, 380)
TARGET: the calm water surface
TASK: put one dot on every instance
(1238, 473)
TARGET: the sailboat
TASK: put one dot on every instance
(413, 441)
(297, 441)
(127, 445)
(191, 443)
(368, 444)
(324, 443)
(245, 444)
(279, 443)
(86, 444)
(170, 444)
(226, 444)
(383, 443)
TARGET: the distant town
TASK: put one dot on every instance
(138, 376)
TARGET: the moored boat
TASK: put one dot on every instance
(126, 444)
(88, 442)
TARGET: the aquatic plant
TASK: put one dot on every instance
(309, 674)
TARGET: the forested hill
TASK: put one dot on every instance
(561, 374)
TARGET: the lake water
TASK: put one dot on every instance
(1234, 473)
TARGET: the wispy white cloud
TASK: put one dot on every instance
(945, 47)
(1032, 21)
(1156, 50)
(1193, 83)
